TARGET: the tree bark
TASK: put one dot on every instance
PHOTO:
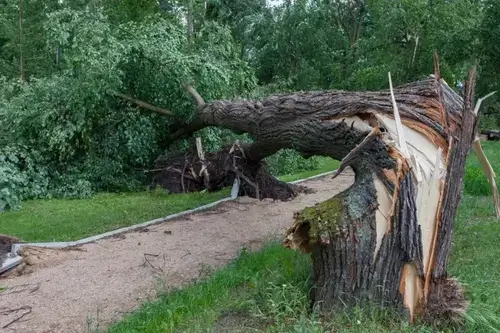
(21, 55)
(386, 239)
(190, 22)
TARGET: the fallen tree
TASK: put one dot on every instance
(387, 238)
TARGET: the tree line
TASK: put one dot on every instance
(73, 71)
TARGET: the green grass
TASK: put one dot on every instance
(64, 220)
(267, 291)
(325, 164)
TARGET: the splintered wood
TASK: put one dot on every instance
(424, 154)
(387, 238)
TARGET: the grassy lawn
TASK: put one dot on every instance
(267, 291)
(66, 220)
(325, 164)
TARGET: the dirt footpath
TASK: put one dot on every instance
(78, 290)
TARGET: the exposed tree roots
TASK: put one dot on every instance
(188, 173)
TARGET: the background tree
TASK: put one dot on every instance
(489, 33)
(82, 137)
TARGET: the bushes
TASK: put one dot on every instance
(24, 174)
(83, 139)
(20, 177)
(288, 161)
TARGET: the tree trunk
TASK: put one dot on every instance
(21, 56)
(386, 239)
(190, 21)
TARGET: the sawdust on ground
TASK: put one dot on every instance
(77, 290)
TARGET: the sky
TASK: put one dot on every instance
(274, 2)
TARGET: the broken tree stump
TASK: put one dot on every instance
(386, 240)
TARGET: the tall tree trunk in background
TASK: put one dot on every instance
(190, 21)
(21, 57)
(349, 18)
(387, 238)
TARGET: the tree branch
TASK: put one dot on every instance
(142, 104)
(200, 102)
(187, 130)
(489, 173)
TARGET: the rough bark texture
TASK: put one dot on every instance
(321, 123)
(386, 239)
(353, 261)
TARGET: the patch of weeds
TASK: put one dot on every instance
(475, 182)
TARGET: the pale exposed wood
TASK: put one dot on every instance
(400, 137)
(411, 288)
(490, 174)
(479, 101)
(197, 98)
(425, 157)
(201, 156)
(382, 215)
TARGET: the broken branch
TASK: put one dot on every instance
(488, 171)
(204, 168)
(479, 101)
(401, 136)
(357, 151)
(27, 308)
(142, 104)
(200, 102)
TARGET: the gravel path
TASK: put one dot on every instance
(65, 291)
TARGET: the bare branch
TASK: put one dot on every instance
(200, 102)
(204, 168)
(26, 308)
(488, 171)
(479, 101)
(142, 104)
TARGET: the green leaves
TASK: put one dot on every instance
(20, 177)
(85, 139)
